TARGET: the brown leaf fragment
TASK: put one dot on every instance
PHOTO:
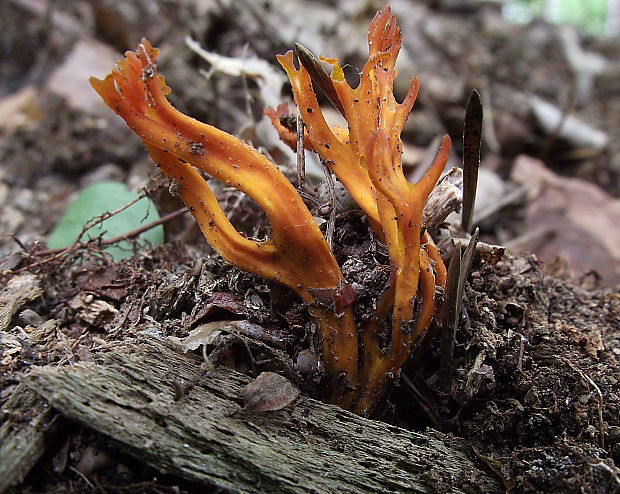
(268, 392)
(107, 282)
(582, 217)
(220, 302)
(589, 339)
(344, 297)
(323, 296)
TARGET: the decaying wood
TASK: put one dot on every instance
(128, 394)
(445, 198)
(28, 426)
(15, 294)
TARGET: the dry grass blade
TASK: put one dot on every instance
(472, 137)
(466, 261)
(450, 320)
(318, 74)
(458, 271)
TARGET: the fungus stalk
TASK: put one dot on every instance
(296, 254)
(365, 157)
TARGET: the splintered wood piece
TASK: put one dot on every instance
(29, 426)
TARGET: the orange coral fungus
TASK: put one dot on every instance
(365, 157)
(296, 255)
(368, 163)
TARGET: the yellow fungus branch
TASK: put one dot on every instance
(337, 155)
(296, 254)
(369, 165)
(366, 158)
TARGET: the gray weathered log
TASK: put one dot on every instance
(28, 425)
(205, 437)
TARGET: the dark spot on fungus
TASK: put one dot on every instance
(289, 122)
(196, 148)
(148, 72)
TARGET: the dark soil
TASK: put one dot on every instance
(536, 388)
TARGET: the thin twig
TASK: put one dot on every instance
(101, 218)
(134, 233)
(601, 424)
(246, 90)
(58, 253)
(512, 197)
(522, 341)
(532, 239)
(84, 478)
(608, 469)
(566, 109)
(301, 154)
(331, 222)
(421, 400)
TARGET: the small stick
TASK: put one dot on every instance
(521, 353)
(58, 253)
(511, 197)
(420, 399)
(181, 388)
(331, 222)
(301, 155)
(142, 229)
(84, 478)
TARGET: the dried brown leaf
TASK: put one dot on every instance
(269, 392)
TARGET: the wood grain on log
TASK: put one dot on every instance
(205, 437)
(27, 427)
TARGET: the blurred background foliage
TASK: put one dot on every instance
(596, 17)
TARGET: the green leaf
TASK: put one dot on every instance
(99, 199)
